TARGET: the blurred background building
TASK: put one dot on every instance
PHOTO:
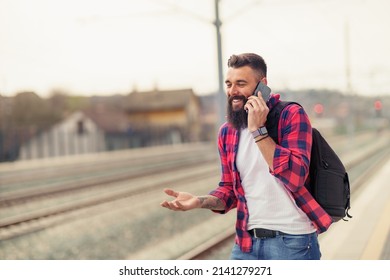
(34, 127)
(164, 117)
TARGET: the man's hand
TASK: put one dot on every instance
(257, 112)
(183, 201)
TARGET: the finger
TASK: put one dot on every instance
(180, 206)
(258, 103)
(164, 203)
(248, 105)
(173, 206)
(171, 192)
(253, 97)
(259, 96)
(169, 206)
(251, 106)
(258, 99)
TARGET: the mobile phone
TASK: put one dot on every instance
(264, 89)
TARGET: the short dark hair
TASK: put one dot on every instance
(254, 61)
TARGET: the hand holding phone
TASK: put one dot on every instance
(264, 89)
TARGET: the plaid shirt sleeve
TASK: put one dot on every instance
(225, 191)
(292, 154)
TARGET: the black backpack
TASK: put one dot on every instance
(329, 183)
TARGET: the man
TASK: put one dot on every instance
(277, 218)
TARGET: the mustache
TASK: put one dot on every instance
(237, 97)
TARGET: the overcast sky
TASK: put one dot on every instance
(114, 46)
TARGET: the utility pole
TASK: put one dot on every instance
(351, 116)
(221, 99)
(347, 58)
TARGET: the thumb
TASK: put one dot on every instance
(171, 192)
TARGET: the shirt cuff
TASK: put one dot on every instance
(281, 159)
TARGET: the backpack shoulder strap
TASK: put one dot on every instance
(274, 116)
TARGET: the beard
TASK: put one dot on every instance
(238, 118)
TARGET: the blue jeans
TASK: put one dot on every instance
(281, 247)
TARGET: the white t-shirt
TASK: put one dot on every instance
(270, 204)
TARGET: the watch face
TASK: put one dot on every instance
(260, 131)
(263, 130)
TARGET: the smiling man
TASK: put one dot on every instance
(277, 218)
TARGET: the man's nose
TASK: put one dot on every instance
(233, 90)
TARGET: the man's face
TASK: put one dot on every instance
(240, 84)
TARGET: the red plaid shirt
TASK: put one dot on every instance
(291, 166)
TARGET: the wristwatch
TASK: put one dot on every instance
(261, 131)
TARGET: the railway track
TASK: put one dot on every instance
(43, 218)
(142, 177)
(23, 185)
